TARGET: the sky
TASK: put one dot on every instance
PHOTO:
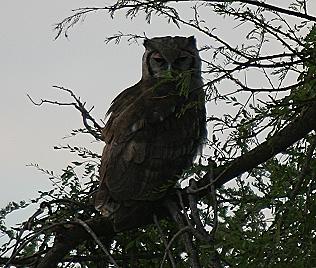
(31, 62)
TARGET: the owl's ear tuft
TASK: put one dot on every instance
(146, 43)
(191, 41)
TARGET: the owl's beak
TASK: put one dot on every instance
(170, 70)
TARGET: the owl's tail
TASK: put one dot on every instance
(125, 215)
(132, 216)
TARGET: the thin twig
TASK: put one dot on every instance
(193, 200)
(97, 240)
(165, 242)
(198, 232)
(94, 130)
(187, 238)
(182, 230)
(30, 238)
(214, 199)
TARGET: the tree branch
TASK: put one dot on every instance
(97, 240)
(261, 4)
(165, 242)
(277, 9)
(94, 130)
(278, 143)
(72, 234)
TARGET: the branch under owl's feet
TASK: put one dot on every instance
(293, 132)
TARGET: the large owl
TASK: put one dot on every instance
(153, 132)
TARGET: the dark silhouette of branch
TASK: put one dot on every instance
(277, 9)
(178, 233)
(164, 240)
(178, 218)
(258, 4)
(94, 130)
(72, 235)
(97, 240)
(293, 132)
(71, 20)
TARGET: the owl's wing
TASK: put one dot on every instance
(134, 107)
(143, 146)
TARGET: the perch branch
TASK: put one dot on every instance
(279, 142)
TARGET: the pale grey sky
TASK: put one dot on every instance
(32, 62)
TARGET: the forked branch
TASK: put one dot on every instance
(89, 122)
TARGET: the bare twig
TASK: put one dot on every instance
(264, 5)
(279, 9)
(29, 239)
(94, 130)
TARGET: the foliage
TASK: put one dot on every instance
(265, 216)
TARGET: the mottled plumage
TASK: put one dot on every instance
(153, 132)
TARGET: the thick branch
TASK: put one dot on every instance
(278, 143)
(278, 9)
(73, 235)
(264, 5)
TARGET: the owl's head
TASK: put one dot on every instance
(170, 54)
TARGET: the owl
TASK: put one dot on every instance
(153, 132)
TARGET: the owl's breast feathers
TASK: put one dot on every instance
(151, 136)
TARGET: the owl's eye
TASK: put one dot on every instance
(159, 59)
(182, 59)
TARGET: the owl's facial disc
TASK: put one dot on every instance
(170, 56)
(169, 64)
